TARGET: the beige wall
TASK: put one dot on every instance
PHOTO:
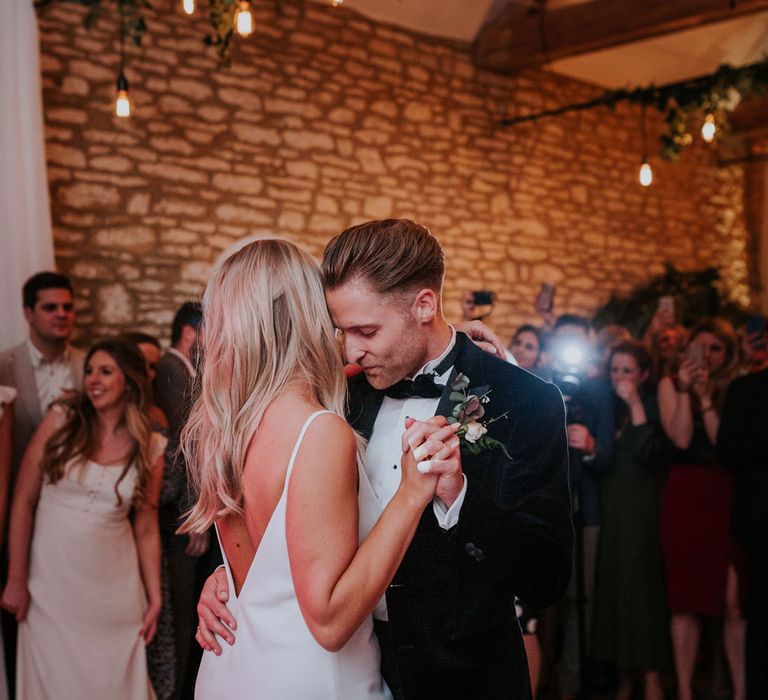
(325, 120)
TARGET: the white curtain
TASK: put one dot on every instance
(26, 241)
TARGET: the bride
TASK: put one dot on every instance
(278, 470)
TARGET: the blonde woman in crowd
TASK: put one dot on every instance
(698, 551)
(84, 575)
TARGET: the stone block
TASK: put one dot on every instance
(86, 195)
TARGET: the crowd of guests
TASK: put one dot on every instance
(99, 592)
(668, 448)
(669, 476)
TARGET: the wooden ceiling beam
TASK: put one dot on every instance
(525, 37)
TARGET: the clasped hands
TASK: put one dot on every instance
(431, 466)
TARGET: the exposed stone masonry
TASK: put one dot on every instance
(327, 119)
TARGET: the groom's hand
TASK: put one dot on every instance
(436, 446)
(213, 616)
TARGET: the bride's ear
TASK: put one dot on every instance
(425, 306)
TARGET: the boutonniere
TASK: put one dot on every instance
(468, 411)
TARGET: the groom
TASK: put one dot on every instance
(499, 525)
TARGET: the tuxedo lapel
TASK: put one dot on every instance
(467, 363)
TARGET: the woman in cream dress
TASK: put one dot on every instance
(84, 576)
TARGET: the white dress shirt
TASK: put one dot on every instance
(382, 464)
(52, 378)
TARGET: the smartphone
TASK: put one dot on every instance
(696, 352)
(545, 299)
(667, 304)
(483, 297)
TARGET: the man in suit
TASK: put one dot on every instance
(41, 368)
(174, 395)
(742, 446)
(45, 365)
(499, 525)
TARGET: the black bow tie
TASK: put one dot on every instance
(424, 385)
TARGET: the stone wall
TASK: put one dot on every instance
(326, 119)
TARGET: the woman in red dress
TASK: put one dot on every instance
(701, 578)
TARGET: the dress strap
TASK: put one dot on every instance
(299, 440)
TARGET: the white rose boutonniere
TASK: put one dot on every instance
(475, 431)
(468, 411)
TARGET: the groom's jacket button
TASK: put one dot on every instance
(475, 552)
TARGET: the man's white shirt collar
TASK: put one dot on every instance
(190, 367)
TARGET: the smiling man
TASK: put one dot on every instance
(499, 524)
(45, 365)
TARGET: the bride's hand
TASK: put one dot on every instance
(423, 443)
(213, 615)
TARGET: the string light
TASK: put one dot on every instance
(122, 100)
(243, 20)
(709, 128)
(188, 6)
(646, 174)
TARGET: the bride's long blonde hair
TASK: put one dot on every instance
(265, 323)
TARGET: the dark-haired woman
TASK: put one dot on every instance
(84, 576)
(630, 625)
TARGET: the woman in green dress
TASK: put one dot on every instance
(631, 624)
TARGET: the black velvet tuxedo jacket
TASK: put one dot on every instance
(451, 608)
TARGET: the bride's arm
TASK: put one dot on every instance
(337, 582)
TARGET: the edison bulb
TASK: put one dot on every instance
(243, 18)
(188, 6)
(646, 174)
(122, 104)
(709, 128)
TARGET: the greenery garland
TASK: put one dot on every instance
(717, 94)
(133, 24)
(697, 295)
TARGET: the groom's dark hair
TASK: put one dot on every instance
(391, 255)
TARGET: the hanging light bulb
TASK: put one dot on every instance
(188, 6)
(243, 20)
(646, 174)
(336, 3)
(709, 128)
(122, 101)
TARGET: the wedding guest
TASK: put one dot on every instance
(41, 368)
(45, 365)
(589, 415)
(666, 347)
(527, 347)
(742, 445)
(187, 560)
(699, 554)
(149, 347)
(84, 577)
(630, 626)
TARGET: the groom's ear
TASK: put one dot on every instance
(425, 306)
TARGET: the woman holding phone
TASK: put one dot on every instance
(701, 578)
